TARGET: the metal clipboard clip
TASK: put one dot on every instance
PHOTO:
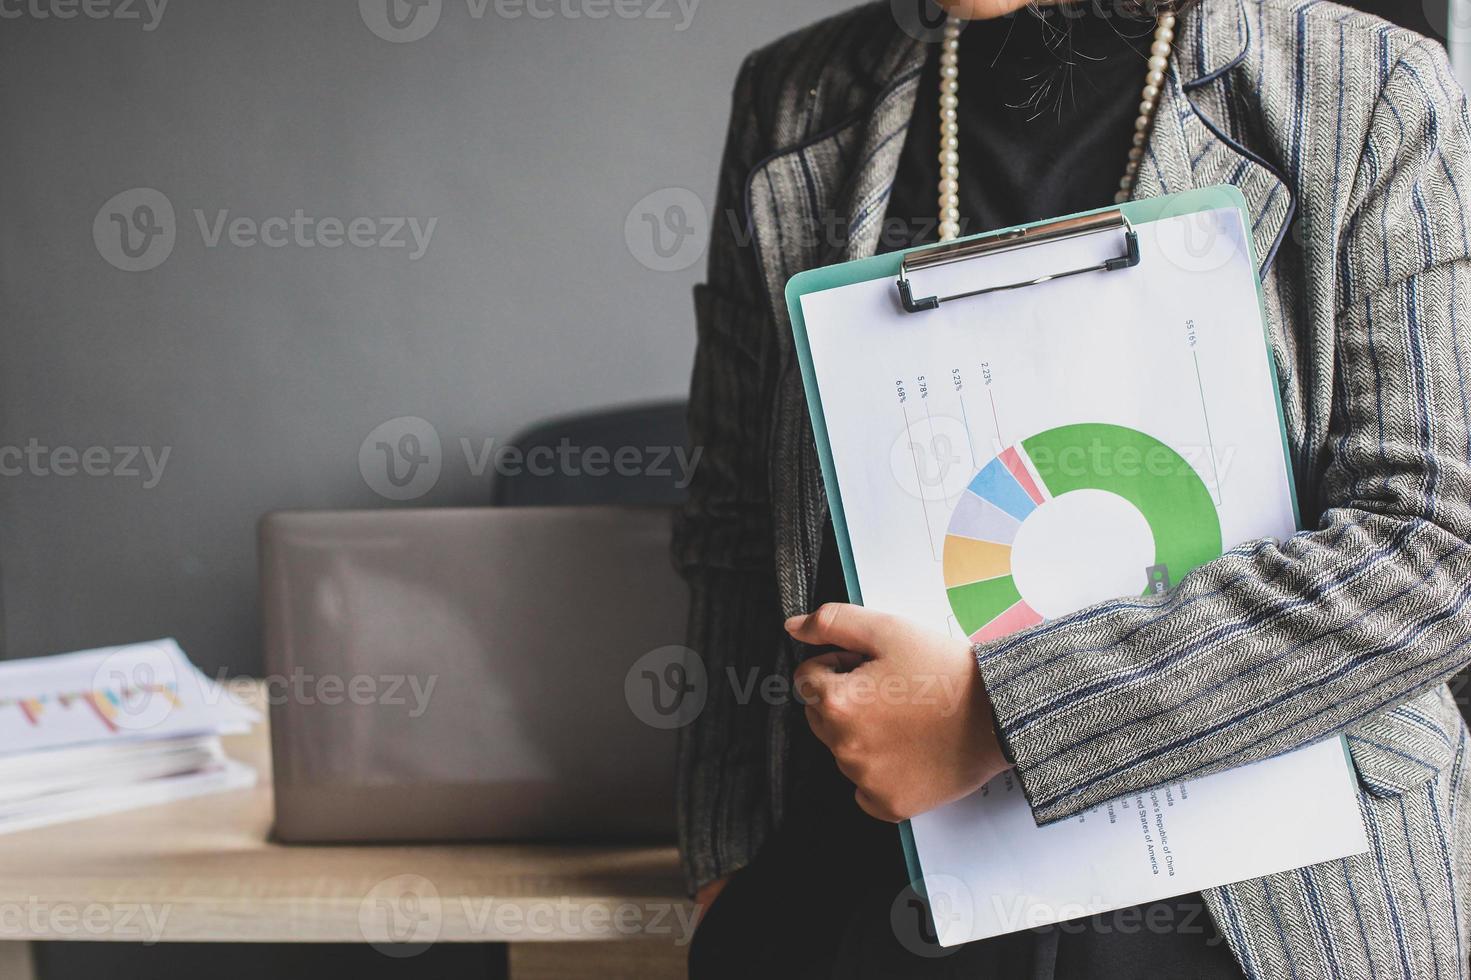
(1018, 238)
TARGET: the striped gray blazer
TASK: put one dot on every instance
(1350, 140)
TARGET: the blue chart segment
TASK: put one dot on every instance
(997, 485)
(978, 578)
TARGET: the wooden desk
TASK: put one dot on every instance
(205, 870)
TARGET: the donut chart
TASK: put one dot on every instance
(1155, 479)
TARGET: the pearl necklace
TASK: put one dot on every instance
(1159, 60)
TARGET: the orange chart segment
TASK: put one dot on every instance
(968, 560)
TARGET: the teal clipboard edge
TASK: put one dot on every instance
(886, 266)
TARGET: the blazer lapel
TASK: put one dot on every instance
(821, 202)
(1197, 140)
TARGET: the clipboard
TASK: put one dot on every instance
(1119, 226)
(1119, 221)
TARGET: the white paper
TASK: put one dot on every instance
(989, 869)
(1166, 361)
(27, 776)
(226, 775)
(143, 690)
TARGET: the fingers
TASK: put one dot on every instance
(821, 727)
(835, 730)
(709, 891)
(872, 806)
(818, 684)
(817, 679)
(842, 624)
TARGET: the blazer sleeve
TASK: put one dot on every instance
(1278, 644)
(723, 535)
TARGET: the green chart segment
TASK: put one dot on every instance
(1116, 459)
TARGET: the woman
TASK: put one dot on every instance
(1349, 140)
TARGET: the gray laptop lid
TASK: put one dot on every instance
(456, 674)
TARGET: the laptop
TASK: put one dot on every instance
(458, 674)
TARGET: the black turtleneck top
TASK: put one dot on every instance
(1047, 109)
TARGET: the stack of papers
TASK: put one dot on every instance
(83, 734)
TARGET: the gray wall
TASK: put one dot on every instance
(1459, 38)
(261, 370)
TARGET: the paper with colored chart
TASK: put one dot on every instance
(1007, 459)
(140, 691)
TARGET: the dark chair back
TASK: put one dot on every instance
(1429, 17)
(636, 456)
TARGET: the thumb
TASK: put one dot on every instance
(844, 625)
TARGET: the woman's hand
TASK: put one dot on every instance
(902, 709)
(707, 894)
